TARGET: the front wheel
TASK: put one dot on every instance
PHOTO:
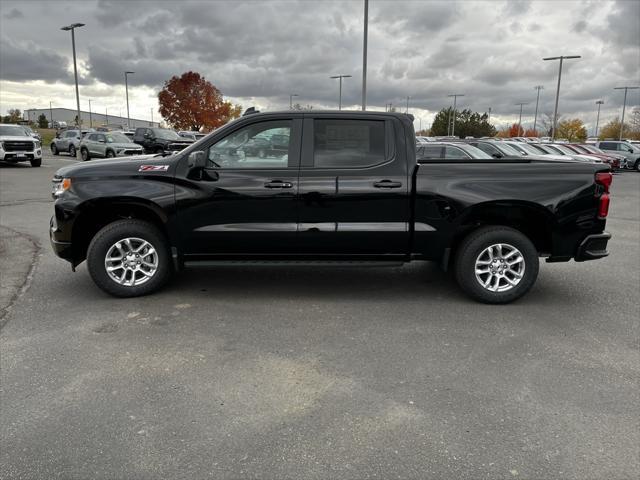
(129, 258)
(110, 154)
(72, 151)
(36, 162)
(54, 149)
(84, 154)
(496, 265)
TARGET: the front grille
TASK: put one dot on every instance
(178, 146)
(17, 146)
(132, 152)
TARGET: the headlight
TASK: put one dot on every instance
(60, 185)
(1, 146)
(38, 145)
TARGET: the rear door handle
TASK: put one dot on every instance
(387, 184)
(278, 184)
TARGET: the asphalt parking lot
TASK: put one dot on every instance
(280, 372)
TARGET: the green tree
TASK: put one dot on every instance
(612, 129)
(572, 129)
(468, 124)
(14, 115)
(42, 121)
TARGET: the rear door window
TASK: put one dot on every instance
(454, 153)
(348, 143)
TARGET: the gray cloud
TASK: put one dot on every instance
(13, 14)
(263, 51)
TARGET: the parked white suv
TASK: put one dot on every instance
(17, 146)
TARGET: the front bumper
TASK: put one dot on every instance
(20, 156)
(593, 247)
(60, 248)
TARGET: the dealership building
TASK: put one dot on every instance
(88, 119)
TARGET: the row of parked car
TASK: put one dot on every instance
(94, 143)
(617, 154)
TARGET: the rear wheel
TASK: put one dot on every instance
(54, 149)
(72, 151)
(84, 154)
(637, 165)
(496, 264)
(36, 162)
(110, 154)
(129, 258)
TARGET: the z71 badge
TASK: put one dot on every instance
(153, 168)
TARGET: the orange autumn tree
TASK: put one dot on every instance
(190, 102)
(516, 130)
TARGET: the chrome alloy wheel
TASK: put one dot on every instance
(500, 267)
(131, 261)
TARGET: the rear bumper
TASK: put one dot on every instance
(593, 247)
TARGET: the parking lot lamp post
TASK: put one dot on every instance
(72, 27)
(90, 117)
(364, 55)
(407, 110)
(489, 117)
(599, 103)
(106, 115)
(126, 89)
(152, 116)
(51, 114)
(453, 123)
(624, 106)
(340, 77)
(520, 118)
(555, 110)
(291, 100)
(535, 117)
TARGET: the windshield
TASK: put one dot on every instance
(117, 137)
(554, 149)
(27, 129)
(508, 149)
(475, 152)
(529, 149)
(12, 131)
(591, 148)
(565, 150)
(166, 134)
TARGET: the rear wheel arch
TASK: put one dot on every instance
(530, 219)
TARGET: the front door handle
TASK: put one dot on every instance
(387, 184)
(278, 184)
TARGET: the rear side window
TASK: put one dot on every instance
(608, 146)
(454, 153)
(485, 147)
(429, 151)
(92, 137)
(348, 143)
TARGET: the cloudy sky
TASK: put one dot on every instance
(259, 52)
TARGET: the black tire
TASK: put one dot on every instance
(72, 151)
(54, 149)
(84, 154)
(159, 150)
(36, 162)
(118, 231)
(469, 252)
(110, 154)
(637, 166)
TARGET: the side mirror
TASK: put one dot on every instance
(196, 160)
(102, 141)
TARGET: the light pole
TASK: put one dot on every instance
(555, 110)
(535, 117)
(520, 118)
(126, 89)
(489, 117)
(599, 103)
(455, 98)
(72, 27)
(51, 114)
(624, 106)
(152, 116)
(340, 77)
(291, 100)
(106, 115)
(407, 110)
(364, 55)
(90, 117)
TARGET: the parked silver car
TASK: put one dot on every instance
(68, 141)
(108, 145)
(631, 152)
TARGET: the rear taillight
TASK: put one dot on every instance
(604, 179)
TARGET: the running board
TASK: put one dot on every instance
(292, 263)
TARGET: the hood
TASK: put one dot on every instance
(29, 138)
(130, 145)
(127, 166)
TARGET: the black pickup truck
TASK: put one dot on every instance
(347, 189)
